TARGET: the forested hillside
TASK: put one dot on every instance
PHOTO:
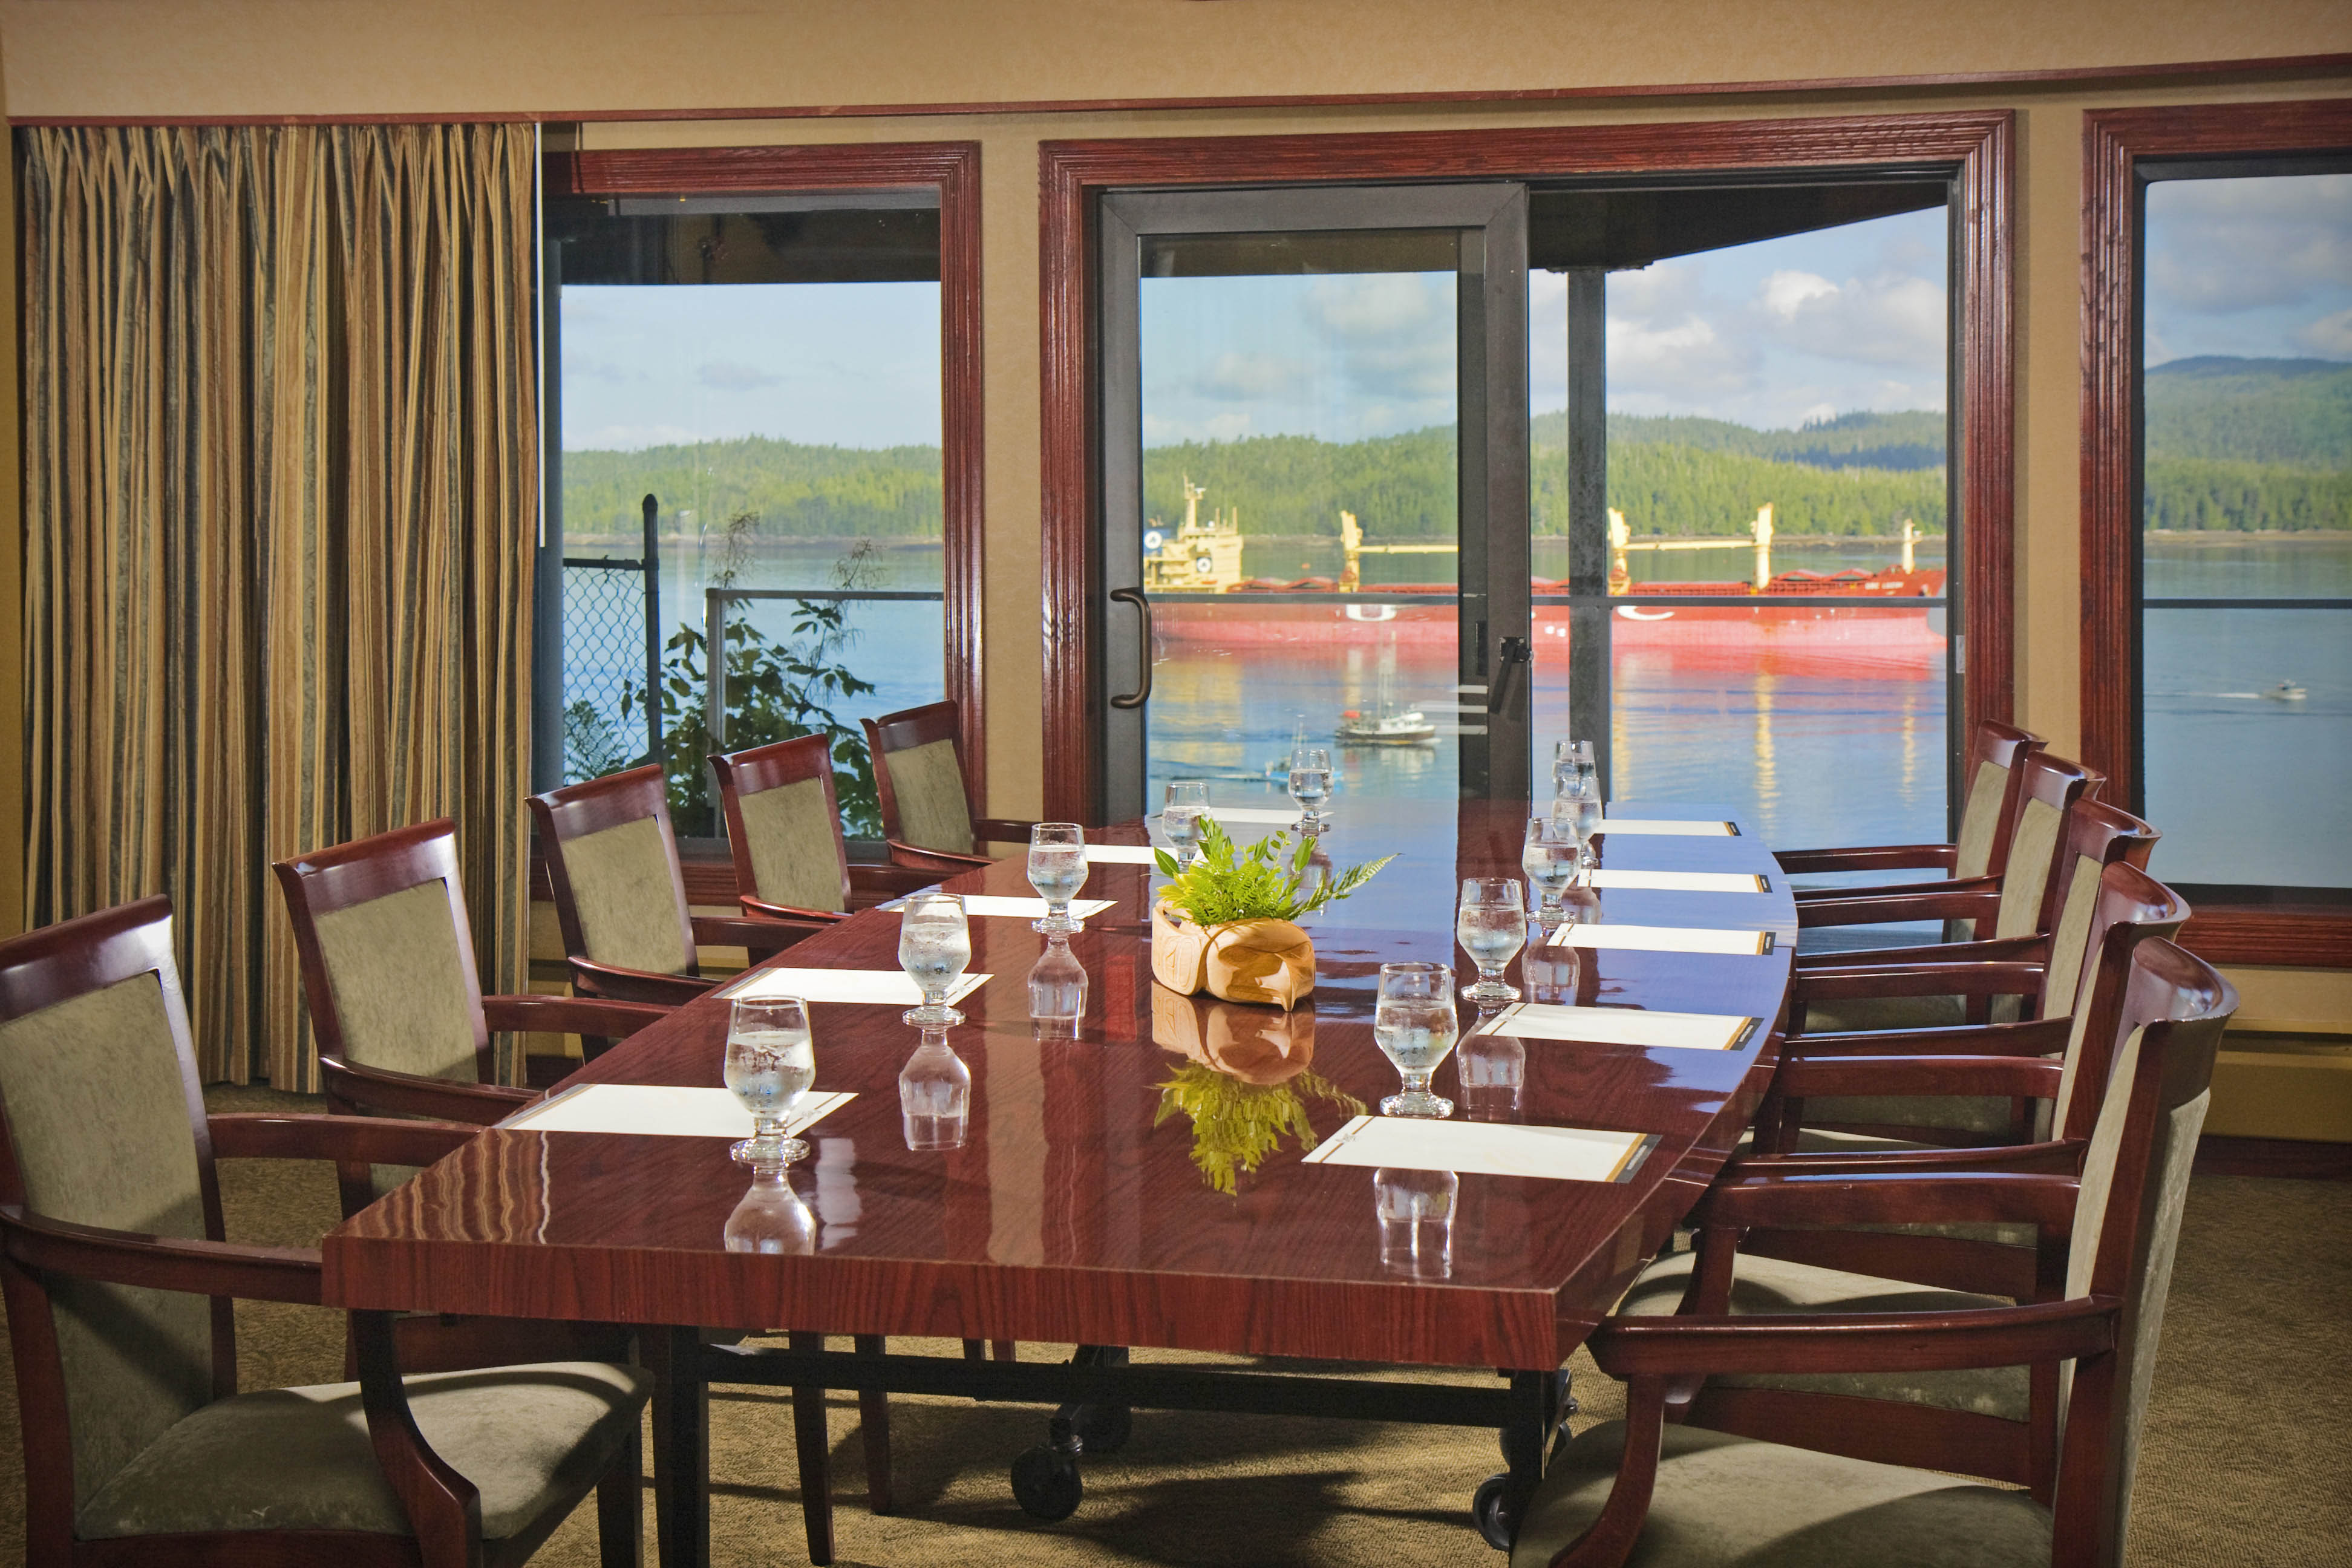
(2233, 444)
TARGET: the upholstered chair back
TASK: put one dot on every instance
(388, 954)
(612, 865)
(2096, 835)
(783, 824)
(919, 774)
(2135, 1184)
(101, 1124)
(2051, 787)
(2132, 907)
(1999, 754)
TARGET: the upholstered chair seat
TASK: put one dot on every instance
(1724, 1502)
(299, 1459)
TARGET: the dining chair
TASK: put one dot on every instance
(1988, 821)
(119, 1282)
(919, 779)
(620, 894)
(1862, 1490)
(783, 831)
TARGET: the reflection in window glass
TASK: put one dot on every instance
(2246, 692)
(772, 380)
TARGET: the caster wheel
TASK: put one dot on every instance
(1490, 1512)
(1045, 1483)
(1103, 1428)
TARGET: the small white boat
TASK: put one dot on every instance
(1390, 727)
(2287, 691)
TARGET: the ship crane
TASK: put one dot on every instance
(1759, 532)
(1351, 546)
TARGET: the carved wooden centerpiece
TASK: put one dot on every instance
(1226, 924)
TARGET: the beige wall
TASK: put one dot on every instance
(171, 58)
(12, 596)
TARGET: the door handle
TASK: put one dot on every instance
(1142, 692)
(1511, 657)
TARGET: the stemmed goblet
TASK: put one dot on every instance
(1057, 869)
(1310, 786)
(769, 1065)
(1414, 1020)
(1187, 802)
(1492, 925)
(934, 949)
(1549, 858)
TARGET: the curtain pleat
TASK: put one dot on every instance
(280, 484)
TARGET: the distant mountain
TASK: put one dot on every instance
(2295, 412)
(1903, 441)
(807, 492)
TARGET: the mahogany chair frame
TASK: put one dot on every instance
(763, 768)
(2183, 1006)
(578, 810)
(903, 732)
(74, 959)
(2003, 745)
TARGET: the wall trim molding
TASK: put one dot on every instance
(953, 169)
(1978, 147)
(2159, 73)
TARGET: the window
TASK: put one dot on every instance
(746, 447)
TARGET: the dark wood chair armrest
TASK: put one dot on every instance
(1846, 1198)
(2015, 1077)
(1858, 1342)
(615, 984)
(2061, 1157)
(1869, 858)
(761, 938)
(1943, 905)
(374, 1140)
(1916, 980)
(2036, 947)
(406, 1094)
(198, 1267)
(938, 861)
(871, 882)
(1896, 889)
(443, 1509)
(2033, 1037)
(528, 1013)
(1000, 830)
(759, 908)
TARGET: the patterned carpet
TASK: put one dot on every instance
(2248, 1445)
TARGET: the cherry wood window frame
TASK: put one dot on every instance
(951, 170)
(1977, 149)
(2113, 143)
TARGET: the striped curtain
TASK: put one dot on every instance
(280, 499)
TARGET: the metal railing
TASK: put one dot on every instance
(714, 634)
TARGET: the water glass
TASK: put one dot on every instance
(1416, 1216)
(1058, 992)
(1310, 786)
(934, 949)
(1187, 802)
(1492, 1070)
(1549, 859)
(1492, 925)
(769, 1065)
(771, 1217)
(935, 1095)
(1414, 1020)
(1057, 869)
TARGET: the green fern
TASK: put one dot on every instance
(1268, 880)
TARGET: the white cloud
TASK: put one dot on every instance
(2330, 337)
(1784, 293)
(2221, 247)
(1243, 377)
(734, 375)
(1890, 319)
(1374, 305)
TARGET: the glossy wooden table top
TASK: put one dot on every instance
(1075, 1210)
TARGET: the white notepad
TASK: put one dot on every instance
(1619, 1026)
(663, 1110)
(1121, 854)
(1681, 881)
(883, 987)
(1662, 828)
(1254, 814)
(1027, 909)
(1662, 938)
(1486, 1148)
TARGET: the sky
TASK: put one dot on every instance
(2258, 267)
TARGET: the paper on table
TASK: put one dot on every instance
(1660, 827)
(1121, 854)
(666, 1110)
(1662, 938)
(1618, 1026)
(1681, 881)
(883, 988)
(1028, 909)
(1557, 1153)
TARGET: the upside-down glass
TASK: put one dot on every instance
(1180, 815)
(1416, 1216)
(1057, 869)
(934, 949)
(1310, 786)
(769, 1065)
(771, 1217)
(1491, 923)
(1492, 1070)
(935, 1095)
(1058, 992)
(1549, 859)
(1414, 1023)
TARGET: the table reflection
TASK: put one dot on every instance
(1057, 990)
(1246, 1085)
(770, 1217)
(1415, 1210)
(1493, 1073)
(935, 1095)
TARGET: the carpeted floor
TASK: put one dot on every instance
(2248, 1448)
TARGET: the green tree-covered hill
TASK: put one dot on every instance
(810, 492)
(2293, 412)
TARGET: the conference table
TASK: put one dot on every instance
(1114, 1188)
